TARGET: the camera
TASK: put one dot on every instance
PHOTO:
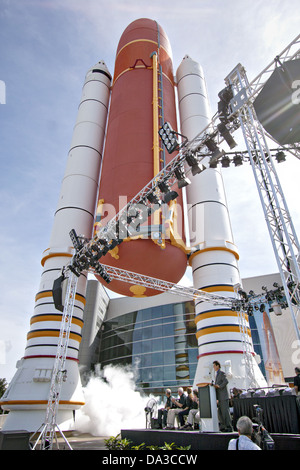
(260, 435)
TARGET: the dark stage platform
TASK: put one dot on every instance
(200, 440)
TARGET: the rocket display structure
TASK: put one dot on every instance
(27, 395)
(140, 99)
(214, 256)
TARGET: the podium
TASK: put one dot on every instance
(208, 408)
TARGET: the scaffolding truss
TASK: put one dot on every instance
(49, 429)
(279, 222)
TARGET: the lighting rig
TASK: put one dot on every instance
(193, 157)
(241, 157)
(274, 298)
(196, 155)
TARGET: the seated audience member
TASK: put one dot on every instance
(297, 380)
(188, 406)
(163, 412)
(180, 404)
(235, 393)
(194, 414)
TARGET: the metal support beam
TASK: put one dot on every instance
(165, 286)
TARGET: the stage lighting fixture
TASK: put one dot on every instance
(132, 214)
(226, 135)
(95, 247)
(75, 269)
(75, 240)
(144, 211)
(250, 310)
(83, 262)
(225, 96)
(168, 137)
(192, 161)
(182, 180)
(105, 250)
(114, 243)
(213, 163)
(225, 162)
(243, 294)
(238, 159)
(153, 199)
(59, 292)
(163, 186)
(168, 194)
(211, 144)
(216, 153)
(280, 156)
(276, 308)
(132, 211)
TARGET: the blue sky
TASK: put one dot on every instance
(46, 48)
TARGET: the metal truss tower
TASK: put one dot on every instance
(279, 222)
(48, 430)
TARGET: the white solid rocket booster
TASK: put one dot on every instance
(28, 393)
(215, 258)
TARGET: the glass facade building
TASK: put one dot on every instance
(158, 342)
(156, 337)
(160, 345)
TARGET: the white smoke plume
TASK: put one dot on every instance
(111, 403)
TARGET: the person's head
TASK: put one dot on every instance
(244, 426)
(168, 392)
(216, 365)
(297, 370)
(189, 390)
(180, 391)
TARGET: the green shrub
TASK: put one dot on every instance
(116, 443)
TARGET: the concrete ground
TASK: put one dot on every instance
(82, 442)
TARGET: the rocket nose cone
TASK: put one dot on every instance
(147, 30)
(100, 67)
(188, 66)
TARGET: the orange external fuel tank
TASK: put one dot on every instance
(142, 99)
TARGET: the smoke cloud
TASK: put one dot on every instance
(111, 403)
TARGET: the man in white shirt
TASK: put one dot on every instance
(179, 405)
(243, 442)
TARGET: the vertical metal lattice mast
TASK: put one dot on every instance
(282, 233)
(50, 427)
